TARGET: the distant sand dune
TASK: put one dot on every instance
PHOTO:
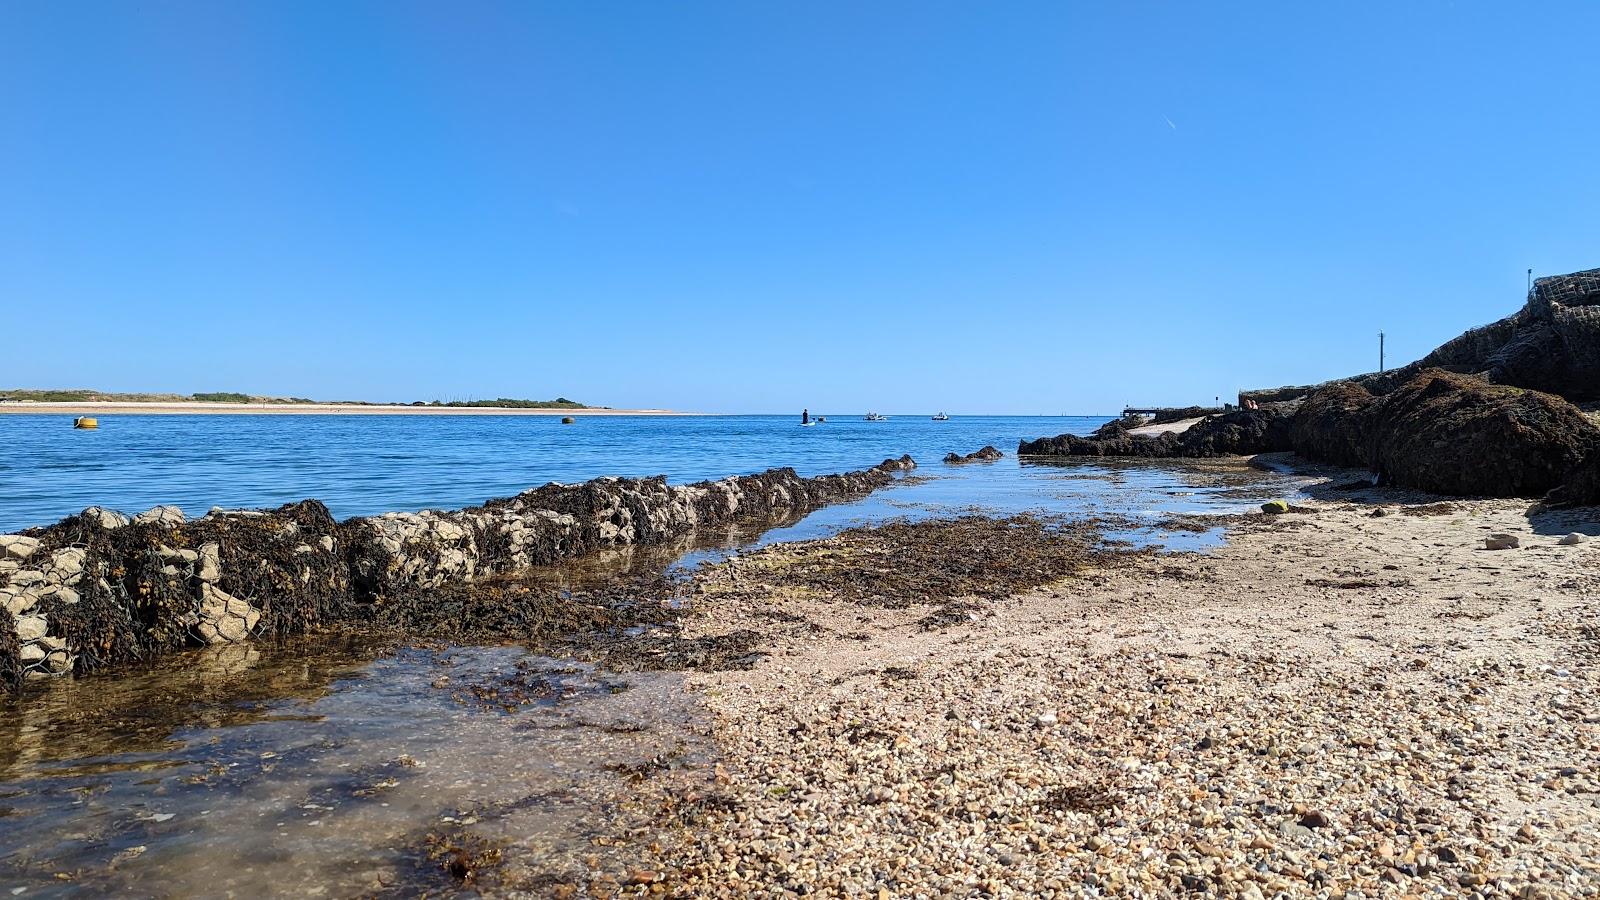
(193, 407)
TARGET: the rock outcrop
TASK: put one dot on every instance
(1240, 431)
(1440, 431)
(99, 588)
(986, 454)
(1456, 434)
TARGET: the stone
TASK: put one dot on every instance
(66, 565)
(17, 546)
(1315, 819)
(1573, 539)
(27, 578)
(18, 601)
(161, 515)
(64, 594)
(105, 518)
(210, 557)
(1275, 507)
(1501, 542)
(224, 618)
(327, 543)
(31, 652)
(31, 628)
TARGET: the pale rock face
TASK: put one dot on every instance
(107, 518)
(66, 566)
(223, 617)
(210, 563)
(31, 628)
(327, 543)
(17, 546)
(161, 515)
(18, 600)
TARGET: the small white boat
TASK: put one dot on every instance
(877, 417)
(941, 417)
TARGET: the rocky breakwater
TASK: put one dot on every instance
(101, 588)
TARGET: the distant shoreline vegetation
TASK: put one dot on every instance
(88, 396)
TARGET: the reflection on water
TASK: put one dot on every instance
(322, 768)
(314, 772)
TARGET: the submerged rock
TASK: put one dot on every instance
(986, 454)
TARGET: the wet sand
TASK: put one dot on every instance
(196, 408)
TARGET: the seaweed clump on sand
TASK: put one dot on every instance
(939, 563)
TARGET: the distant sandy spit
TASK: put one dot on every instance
(194, 408)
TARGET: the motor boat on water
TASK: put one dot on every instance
(877, 417)
(941, 417)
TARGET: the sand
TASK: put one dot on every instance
(1177, 427)
(192, 408)
(1334, 704)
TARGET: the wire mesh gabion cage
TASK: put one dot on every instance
(1574, 289)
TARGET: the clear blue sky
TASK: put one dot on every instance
(741, 207)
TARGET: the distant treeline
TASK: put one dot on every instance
(508, 403)
(88, 396)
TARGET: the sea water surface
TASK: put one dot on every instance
(364, 465)
(327, 769)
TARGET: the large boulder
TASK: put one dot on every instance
(1457, 434)
(1331, 425)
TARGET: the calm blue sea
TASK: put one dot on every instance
(361, 465)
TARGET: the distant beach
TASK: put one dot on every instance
(202, 408)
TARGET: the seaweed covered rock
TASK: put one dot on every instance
(1331, 425)
(1582, 486)
(986, 454)
(1456, 434)
(1118, 427)
(1237, 432)
(98, 589)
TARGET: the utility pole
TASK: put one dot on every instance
(1380, 353)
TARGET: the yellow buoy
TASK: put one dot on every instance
(85, 422)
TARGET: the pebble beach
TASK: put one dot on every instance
(1352, 699)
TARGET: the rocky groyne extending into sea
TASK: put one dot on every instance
(101, 588)
(1489, 414)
